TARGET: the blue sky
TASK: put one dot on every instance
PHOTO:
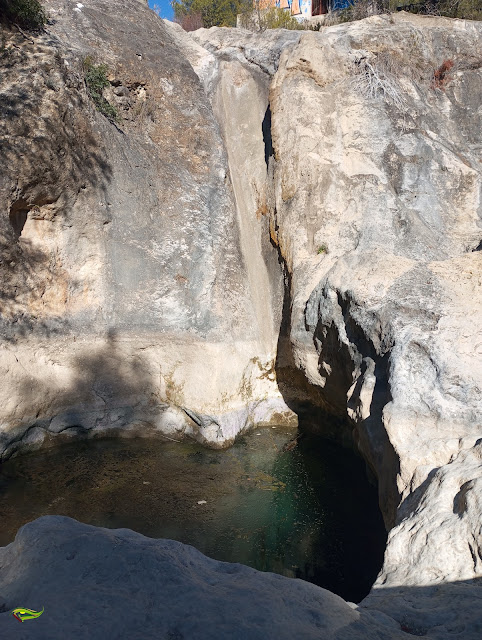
(164, 6)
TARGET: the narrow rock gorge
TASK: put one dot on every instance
(279, 226)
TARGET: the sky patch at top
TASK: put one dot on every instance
(163, 7)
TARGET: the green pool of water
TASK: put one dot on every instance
(308, 513)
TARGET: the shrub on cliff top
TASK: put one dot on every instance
(28, 14)
(220, 13)
(466, 9)
(359, 9)
(275, 18)
(190, 21)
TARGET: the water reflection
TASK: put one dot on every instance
(307, 513)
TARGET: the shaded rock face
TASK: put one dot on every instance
(127, 292)
(142, 291)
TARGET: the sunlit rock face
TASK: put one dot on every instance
(377, 210)
(133, 298)
(118, 583)
(378, 217)
(141, 291)
(374, 204)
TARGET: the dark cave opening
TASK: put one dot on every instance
(268, 142)
(18, 216)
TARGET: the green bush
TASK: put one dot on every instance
(275, 18)
(96, 80)
(258, 17)
(28, 14)
(220, 13)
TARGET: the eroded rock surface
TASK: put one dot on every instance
(378, 214)
(129, 297)
(164, 274)
(97, 583)
(375, 207)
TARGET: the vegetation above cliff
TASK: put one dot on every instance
(257, 15)
(28, 14)
(465, 9)
(208, 13)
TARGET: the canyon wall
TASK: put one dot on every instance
(374, 201)
(135, 295)
(276, 221)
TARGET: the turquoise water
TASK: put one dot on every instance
(308, 513)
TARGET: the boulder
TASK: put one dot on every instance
(96, 583)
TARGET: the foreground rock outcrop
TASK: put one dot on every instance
(97, 583)
(142, 291)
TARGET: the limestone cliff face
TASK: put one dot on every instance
(374, 198)
(128, 291)
(141, 289)
(378, 214)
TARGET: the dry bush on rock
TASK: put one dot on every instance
(378, 79)
(465, 9)
(440, 75)
(359, 10)
(190, 21)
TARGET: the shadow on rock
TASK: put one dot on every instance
(110, 391)
(50, 156)
(109, 583)
(312, 405)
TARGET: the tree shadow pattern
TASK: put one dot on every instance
(49, 154)
(111, 389)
